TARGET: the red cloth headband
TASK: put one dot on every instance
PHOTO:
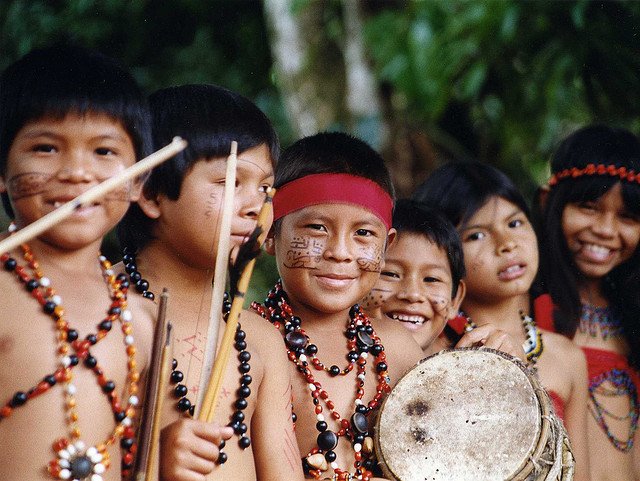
(599, 169)
(333, 189)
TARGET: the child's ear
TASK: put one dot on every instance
(3, 186)
(457, 300)
(150, 206)
(135, 191)
(391, 238)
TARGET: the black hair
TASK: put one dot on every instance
(413, 217)
(209, 117)
(332, 153)
(595, 144)
(460, 189)
(61, 79)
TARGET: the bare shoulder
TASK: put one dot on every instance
(263, 338)
(145, 314)
(401, 348)
(564, 347)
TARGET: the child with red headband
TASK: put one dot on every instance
(332, 225)
(590, 233)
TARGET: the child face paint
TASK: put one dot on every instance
(415, 288)
(51, 161)
(331, 253)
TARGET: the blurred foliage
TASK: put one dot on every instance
(500, 80)
(507, 78)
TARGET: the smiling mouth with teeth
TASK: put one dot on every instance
(597, 250)
(417, 320)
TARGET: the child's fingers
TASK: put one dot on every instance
(212, 432)
(501, 341)
(189, 449)
(489, 336)
(476, 337)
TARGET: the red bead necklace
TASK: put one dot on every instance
(361, 340)
(74, 460)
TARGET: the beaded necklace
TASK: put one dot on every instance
(361, 340)
(599, 321)
(74, 460)
(180, 391)
(623, 385)
(532, 346)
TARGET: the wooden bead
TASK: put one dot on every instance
(317, 461)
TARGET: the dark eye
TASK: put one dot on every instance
(474, 236)
(364, 232)
(630, 216)
(390, 274)
(319, 227)
(104, 151)
(44, 148)
(588, 206)
(431, 279)
(515, 223)
(264, 188)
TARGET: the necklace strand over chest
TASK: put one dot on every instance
(361, 342)
(74, 460)
(180, 391)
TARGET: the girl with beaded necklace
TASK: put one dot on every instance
(170, 241)
(501, 261)
(590, 231)
(332, 212)
(72, 341)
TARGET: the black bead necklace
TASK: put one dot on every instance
(184, 405)
(361, 341)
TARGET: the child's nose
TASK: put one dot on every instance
(605, 225)
(250, 204)
(506, 243)
(338, 249)
(76, 168)
(412, 290)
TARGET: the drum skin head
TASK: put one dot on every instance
(460, 415)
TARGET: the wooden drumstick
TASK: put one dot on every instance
(95, 193)
(207, 412)
(220, 273)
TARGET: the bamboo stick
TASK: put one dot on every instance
(152, 391)
(220, 274)
(61, 213)
(215, 382)
(153, 462)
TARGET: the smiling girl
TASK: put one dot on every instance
(501, 261)
(590, 234)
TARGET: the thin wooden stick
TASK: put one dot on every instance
(152, 392)
(97, 192)
(220, 273)
(153, 462)
(215, 382)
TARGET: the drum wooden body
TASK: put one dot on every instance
(471, 415)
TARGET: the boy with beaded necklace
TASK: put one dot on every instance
(69, 119)
(332, 215)
(170, 240)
